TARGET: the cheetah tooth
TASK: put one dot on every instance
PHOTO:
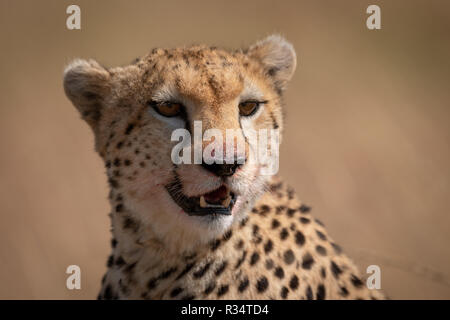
(226, 202)
(203, 203)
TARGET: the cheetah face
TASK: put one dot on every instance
(135, 110)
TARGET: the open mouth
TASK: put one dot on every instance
(219, 201)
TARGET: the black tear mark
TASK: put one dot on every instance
(274, 121)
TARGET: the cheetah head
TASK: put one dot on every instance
(134, 111)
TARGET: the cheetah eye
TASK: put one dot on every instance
(167, 109)
(248, 108)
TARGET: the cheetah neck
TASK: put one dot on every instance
(137, 258)
(136, 240)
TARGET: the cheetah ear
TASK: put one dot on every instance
(86, 84)
(278, 58)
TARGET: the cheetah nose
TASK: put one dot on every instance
(223, 170)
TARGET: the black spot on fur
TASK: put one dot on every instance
(284, 234)
(264, 209)
(299, 238)
(289, 256)
(321, 235)
(290, 212)
(356, 281)
(129, 128)
(268, 246)
(210, 288)
(335, 269)
(202, 271)
(215, 244)
(343, 291)
(319, 222)
(321, 250)
(175, 292)
(167, 273)
(279, 272)
(227, 235)
(243, 285)
(110, 261)
(293, 283)
(113, 183)
(241, 259)
(130, 268)
(284, 292)
(275, 223)
(279, 209)
(254, 258)
(320, 295)
(304, 208)
(190, 256)
(221, 268)
(222, 290)
(290, 193)
(262, 284)
(244, 222)
(120, 262)
(152, 283)
(276, 186)
(309, 293)
(130, 223)
(185, 270)
(108, 293)
(123, 288)
(269, 264)
(336, 248)
(304, 220)
(307, 261)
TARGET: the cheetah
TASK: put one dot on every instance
(203, 231)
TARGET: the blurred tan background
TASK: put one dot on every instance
(367, 139)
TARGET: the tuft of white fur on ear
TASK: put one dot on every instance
(278, 58)
(86, 83)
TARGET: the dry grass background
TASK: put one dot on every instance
(367, 139)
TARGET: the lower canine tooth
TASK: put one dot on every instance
(226, 202)
(203, 202)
